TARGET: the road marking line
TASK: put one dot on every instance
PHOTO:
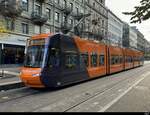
(120, 96)
(7, 83)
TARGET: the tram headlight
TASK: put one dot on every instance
(36, 75)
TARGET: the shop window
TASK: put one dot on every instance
(13, 54)
(101, 60)
(71, 61)
(94, 60)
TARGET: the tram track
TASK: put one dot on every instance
(20, 93)
(88, 92)
(111, 86)
(101, 94)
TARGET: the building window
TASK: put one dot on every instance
(88, 1)
(77, 10)
(94, 4)
(57, 17)
(10, 25)
(48, 13)
(38, 9)
(103, 23)
(25, 28)
(56, 1)
(47, 30)
(64, 3)
(64, 18)
(101, 1)
(36, 29)
(71, 6)
(25, 5)
(71, 21)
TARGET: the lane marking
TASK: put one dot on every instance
(124, 93)
(9, 83)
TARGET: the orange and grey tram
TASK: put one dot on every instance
(58, 60)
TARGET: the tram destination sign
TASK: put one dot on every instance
(37, 42)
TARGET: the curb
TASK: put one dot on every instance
(11, 85)
(8, 74)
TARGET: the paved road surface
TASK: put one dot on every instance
(128, 91)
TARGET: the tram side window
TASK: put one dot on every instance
(134, 59)
(94, 60)
(112, 60)
(121, 59)
(71, 61)
(131, 59)
(54, 59)
(115, 60)
(127, 59)
(85, 59)
(101, 60)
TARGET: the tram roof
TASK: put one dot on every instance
(39, 36)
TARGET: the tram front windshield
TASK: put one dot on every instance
(36, 51)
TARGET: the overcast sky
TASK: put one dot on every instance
(119, 6)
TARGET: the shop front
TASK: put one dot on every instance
(12, 50)
(12, 54)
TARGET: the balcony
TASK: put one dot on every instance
(10, 8)
(79, 16)
(42, 1)
(97, 10)
(65, 27)
(67, 10)
(91, 35)
(39, 19)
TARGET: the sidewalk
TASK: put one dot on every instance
(9, 78)
(8, 72)
(146, 62)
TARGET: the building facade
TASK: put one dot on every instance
(129, 37)
(132, 38)
(115, 29)
(44, 16)
(147, 50)
(140, 40)
(125, 39)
